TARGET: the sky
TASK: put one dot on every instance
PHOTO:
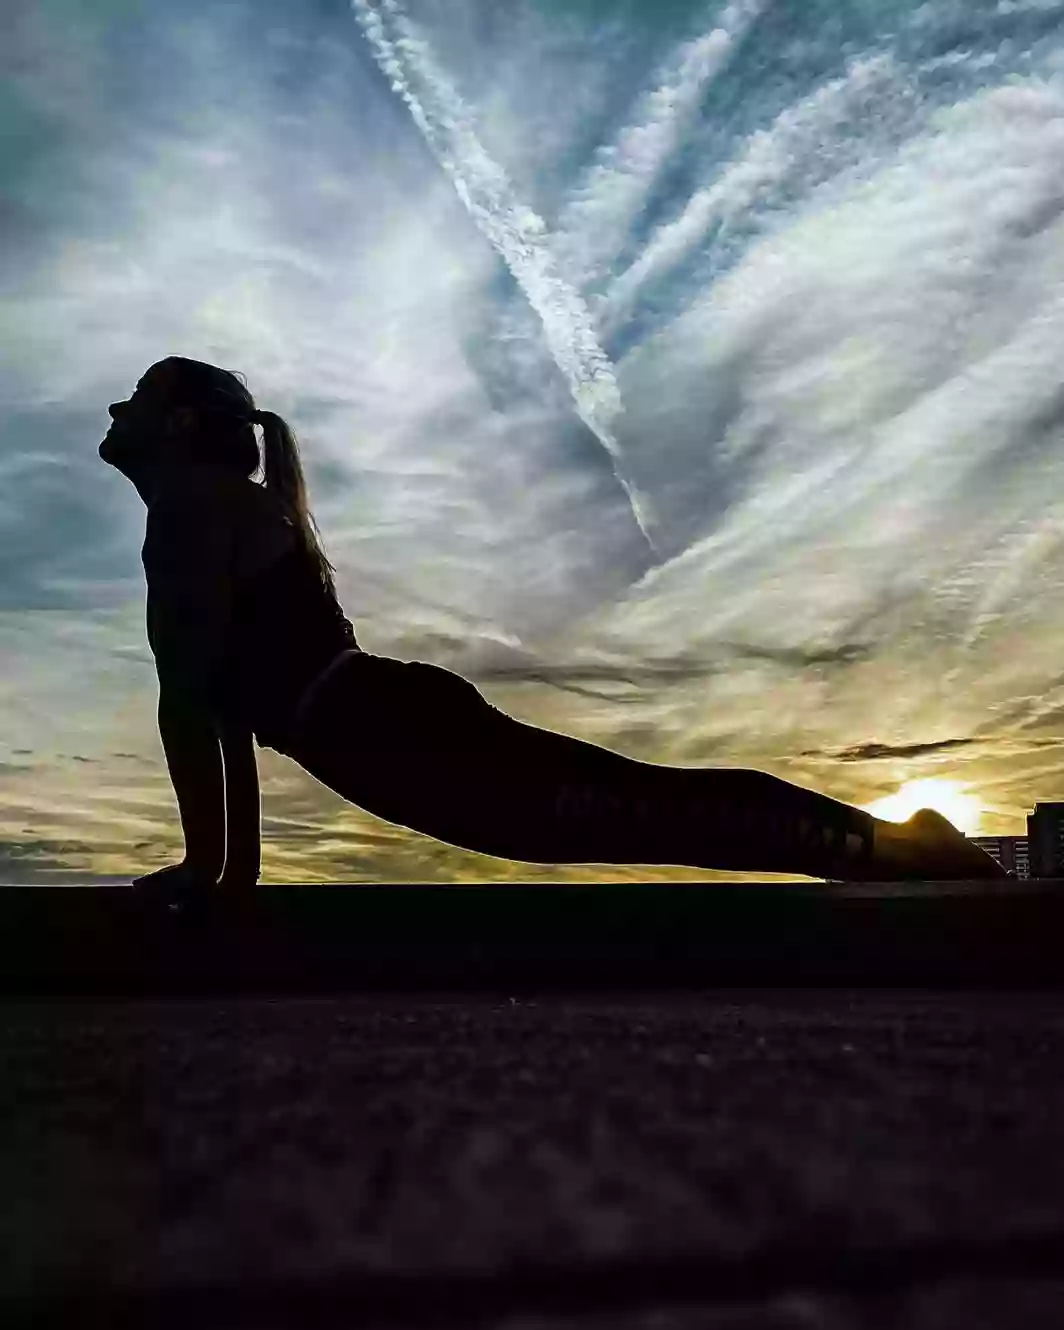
(686, 375)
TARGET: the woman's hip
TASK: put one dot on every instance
(408, 741)
(383, 704)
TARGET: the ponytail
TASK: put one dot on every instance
(284, 480)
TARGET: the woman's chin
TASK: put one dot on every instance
(116, 451)
(110, 449)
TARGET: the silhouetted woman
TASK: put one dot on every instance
(251, 644)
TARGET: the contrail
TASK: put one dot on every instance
(517, 233)
(597, 221)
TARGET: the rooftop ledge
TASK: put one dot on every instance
(513, 937)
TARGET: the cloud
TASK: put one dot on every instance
(872, 752)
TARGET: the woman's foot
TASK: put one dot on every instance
(176, 888)
(927, 848)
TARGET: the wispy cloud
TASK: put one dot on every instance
(809, 143)
(596, 220)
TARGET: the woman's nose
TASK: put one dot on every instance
(114, 409)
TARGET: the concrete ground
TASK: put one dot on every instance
(771, 1159)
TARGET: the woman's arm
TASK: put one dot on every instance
(187, 557)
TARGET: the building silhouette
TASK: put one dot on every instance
(1011, 852)
(1045, 836)
(1038, 854)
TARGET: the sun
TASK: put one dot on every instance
(947, 797)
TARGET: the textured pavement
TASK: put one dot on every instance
(721, 1159)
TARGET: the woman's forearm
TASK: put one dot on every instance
(243, 808)
(194, 760)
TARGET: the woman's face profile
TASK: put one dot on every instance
(142, 414)
(142, 428)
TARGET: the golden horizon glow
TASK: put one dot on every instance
(947, 797)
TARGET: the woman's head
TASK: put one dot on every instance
(183, 411)
(186, 411)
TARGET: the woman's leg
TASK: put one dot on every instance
(419, 745)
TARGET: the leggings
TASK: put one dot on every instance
(419, 745)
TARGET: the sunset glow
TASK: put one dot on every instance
(947, 797)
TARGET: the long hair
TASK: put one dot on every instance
(227, 439)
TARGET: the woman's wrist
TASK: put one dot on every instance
(202, 867)
(238, 869)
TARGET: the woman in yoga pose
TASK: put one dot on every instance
(250, 644)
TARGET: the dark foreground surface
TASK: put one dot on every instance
(731, 1158)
